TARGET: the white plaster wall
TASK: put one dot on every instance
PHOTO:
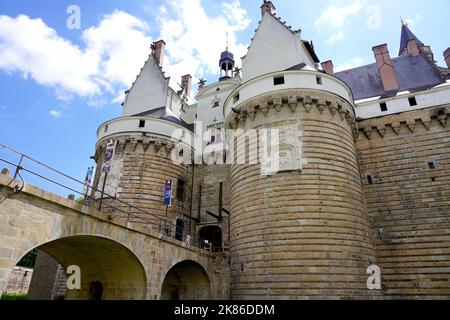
(425, 99)
(274, 48)
(148, 92)
(152, 125)
(206, 113)
(293, 80)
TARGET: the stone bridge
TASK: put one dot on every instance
(131, 262)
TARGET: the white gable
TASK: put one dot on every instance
(148, 92)
(274, 48)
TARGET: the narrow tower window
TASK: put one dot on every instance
(278, 81)
(319, 80)
(412, 101)
(383, 107)
(370, 179)
(180, 189)
(431, 165)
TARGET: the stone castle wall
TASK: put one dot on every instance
(407, 157)
(19, 281)
(302, 233)
(207, 180)
(140, 169)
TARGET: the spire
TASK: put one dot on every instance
(226, 63)
(407, 35)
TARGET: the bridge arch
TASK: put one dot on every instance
(103, 262)
(186, 280)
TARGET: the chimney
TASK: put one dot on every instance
(186, 84)
(267, 6)
(413, 49)
(385, 67)
(447, 57)
(328, 67)
(158, 51)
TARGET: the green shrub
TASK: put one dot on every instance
(8, 296)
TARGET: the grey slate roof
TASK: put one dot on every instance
(407, 35)
(164, 114)
(413, 74)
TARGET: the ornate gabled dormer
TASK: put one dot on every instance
(275, 47)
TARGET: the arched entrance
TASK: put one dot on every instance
(187, 280)
(108, 270)
(211, 235)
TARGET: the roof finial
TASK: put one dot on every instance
(404, 23)
(227, 45)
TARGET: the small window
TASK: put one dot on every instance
(369, 179)
(141, 123)
(278, 81)
(412, 101)
(319, 80)
(218, 89)
(196, 116)
(180, 189)
(106, 128)
(181, 153)
(383, 107)
(236, 98)
(431, 165)
(215, 104)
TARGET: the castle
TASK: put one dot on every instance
(363, 175)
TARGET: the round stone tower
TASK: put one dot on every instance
(301, 231)
(141, 165)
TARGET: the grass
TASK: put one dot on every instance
(7, 296)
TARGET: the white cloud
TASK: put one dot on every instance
(414, 20)
(113, 51)
(352, 63)
(335, 17)
(335, 38)
(55, 114)
(195, 39)
(113, 54)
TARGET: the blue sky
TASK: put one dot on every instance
(59, 84)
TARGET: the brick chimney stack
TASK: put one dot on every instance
(447, 57)
(413, 49)
(267, 6)
(186, 84)
(328, 67)
(158, 51)
(385, 67)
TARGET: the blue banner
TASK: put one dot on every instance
(168, 193)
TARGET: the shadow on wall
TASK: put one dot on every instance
(187, 280)
(109, 271)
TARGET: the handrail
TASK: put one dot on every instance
(157, 222)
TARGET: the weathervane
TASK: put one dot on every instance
(201, 83)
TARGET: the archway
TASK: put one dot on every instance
(211, 235)
(187, 280)
(109, 270)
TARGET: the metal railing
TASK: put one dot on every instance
(114, 208)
